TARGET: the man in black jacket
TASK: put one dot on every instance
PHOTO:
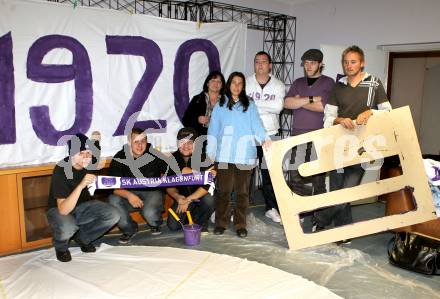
(136, 160)
(72, 211)
(195, 199)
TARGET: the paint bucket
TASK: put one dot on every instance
(191, 234)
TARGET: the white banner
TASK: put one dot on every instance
(65, 70)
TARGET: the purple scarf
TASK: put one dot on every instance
(113, 182)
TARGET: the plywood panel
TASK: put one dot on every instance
(10, 239)
(388, 134)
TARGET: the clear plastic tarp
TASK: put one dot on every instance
(357, 270)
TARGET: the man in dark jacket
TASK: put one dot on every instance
(72, 211)
(136, 160)
(195, 199)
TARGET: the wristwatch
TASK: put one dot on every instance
(311, 99)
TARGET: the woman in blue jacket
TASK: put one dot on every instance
(234, 129)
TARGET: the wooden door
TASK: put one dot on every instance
(33, 194)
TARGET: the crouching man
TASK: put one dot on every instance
(137, 159)
(72, 211)
(195, 199)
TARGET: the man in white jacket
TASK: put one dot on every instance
(268, 94)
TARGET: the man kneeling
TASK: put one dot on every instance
(195, 199)
(137, 159)
(72, 211)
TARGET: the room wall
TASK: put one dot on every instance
(365, 23)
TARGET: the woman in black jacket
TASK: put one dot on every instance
(198, 113)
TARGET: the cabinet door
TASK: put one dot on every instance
(10, 239)
(33, 194)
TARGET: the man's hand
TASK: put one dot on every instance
(203, 119)
(96, 136)
(347, 123)
(317, 99)
(362, 118)
(87, 180)
(183, 204)
(212, 170)
(135, 201)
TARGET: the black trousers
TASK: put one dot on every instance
(268, 193)
(340, 214)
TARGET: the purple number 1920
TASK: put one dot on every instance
(80, 71)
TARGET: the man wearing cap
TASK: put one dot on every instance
(137, 159)
(268, 94)
(307, 97)
(72, 211)
(195, 199)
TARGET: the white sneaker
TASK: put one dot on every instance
(212, 218)
(273, 215)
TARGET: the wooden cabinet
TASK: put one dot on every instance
(23, 223)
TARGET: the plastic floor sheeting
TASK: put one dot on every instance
(148, 272)
(359, 270)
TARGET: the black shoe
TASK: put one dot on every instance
(88, 248)
(155, 230)
(126, 238)
(219, 230)
(63, 256)
(344, 242)
(242, 232)
(84, 247)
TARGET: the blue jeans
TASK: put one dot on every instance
(151, 211)
(340, 214)
(90, 220)
(200, 212)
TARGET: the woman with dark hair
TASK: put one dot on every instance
(199, 110)
(234, 129)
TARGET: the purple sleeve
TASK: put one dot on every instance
(293, 90)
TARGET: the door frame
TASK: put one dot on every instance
(395, 55)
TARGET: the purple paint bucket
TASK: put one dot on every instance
(191, 234)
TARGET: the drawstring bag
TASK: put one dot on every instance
(413, 252)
